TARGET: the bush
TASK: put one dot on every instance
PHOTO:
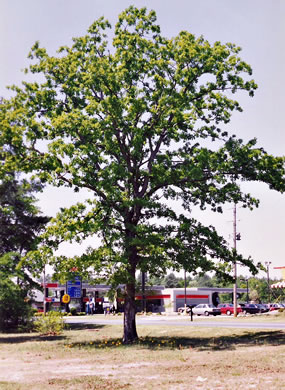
(51, 324)
(73, 311)
(15, 309)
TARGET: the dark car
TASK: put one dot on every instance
(262, 308)
(249, 308)
(228, 308)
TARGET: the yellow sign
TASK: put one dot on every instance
(66, 298)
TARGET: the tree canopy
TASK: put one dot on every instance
(138, 120)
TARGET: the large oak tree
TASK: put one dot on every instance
(137, 120)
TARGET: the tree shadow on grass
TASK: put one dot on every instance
(16, 338)
(248, 339)
(28, 338)
(86, 326)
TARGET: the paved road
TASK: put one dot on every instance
(177, 321)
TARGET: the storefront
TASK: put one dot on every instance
(156, 299)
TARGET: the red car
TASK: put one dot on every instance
(274, 306)
(228, 308)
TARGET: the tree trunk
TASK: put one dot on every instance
(130, 330)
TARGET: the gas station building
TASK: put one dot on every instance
(155, 299)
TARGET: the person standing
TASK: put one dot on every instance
(92, 305)
(87, 308)
(106, 306)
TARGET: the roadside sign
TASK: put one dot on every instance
(49, 285)
(52, 299)
(66, 298)
(73, 287)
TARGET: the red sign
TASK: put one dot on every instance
(166, 296)
(48, 299)
(193, 296)
(86, 299)
(50, 285)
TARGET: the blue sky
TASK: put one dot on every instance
(256, 25)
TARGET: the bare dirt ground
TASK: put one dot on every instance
(32, 363)
(191, 371)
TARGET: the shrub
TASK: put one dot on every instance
(51, 324)
(73, 311)
(15, 308)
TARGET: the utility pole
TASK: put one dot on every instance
(267, 263)
(235, 263)
(185, 306)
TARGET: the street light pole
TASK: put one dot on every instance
(267, 263)
(143, 292)
(44, 285)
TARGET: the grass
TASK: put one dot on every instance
(165, 357)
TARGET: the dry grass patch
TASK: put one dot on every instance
(165, 357)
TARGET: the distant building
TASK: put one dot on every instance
(155, 298)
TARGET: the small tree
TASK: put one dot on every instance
(171, 281)
(20, 226)
(139, 125)
(15, 307)
(202, 281)
(20, 220)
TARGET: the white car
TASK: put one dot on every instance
(206, 309)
